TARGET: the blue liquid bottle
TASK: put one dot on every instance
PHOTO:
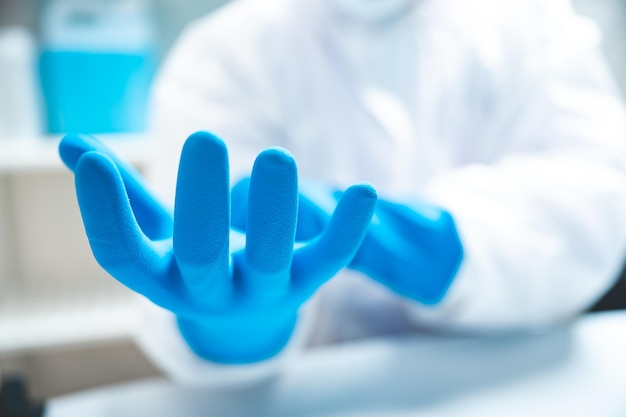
(97, 63)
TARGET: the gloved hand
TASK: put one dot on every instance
(236, 297)
(412, 248)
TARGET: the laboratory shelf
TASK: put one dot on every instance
(37, 206)
(40, 153)
(49, 320)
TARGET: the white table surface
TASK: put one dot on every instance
(579, 370)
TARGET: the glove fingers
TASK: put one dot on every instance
(116, 240)
(201, 219)
(317, 262)
(314, 207)
(153, 218)
(312, 219)
(271, 224)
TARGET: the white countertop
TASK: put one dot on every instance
(578, 370)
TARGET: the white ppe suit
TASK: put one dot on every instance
(500, 111)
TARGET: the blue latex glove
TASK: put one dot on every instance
(413, 249)
(236, 297)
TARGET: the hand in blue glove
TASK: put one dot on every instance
(413, 249)
(236, 302)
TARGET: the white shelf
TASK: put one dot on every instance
(41, 153)
(53, 317)
(37, 322)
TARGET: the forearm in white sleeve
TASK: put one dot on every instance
(542, 212)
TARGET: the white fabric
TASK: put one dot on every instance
(501, 111)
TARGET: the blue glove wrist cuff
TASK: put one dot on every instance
(238, 341)
(414, 250)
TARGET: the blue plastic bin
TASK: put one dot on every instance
(97, 63)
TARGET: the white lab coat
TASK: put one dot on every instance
(501, 111)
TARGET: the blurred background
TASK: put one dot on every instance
(87, 65)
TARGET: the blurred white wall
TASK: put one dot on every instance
(173, 15)
(611, 17)
(18, 12)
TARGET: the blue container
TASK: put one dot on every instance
(97, 63)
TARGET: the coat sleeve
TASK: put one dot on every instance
(541, 208)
